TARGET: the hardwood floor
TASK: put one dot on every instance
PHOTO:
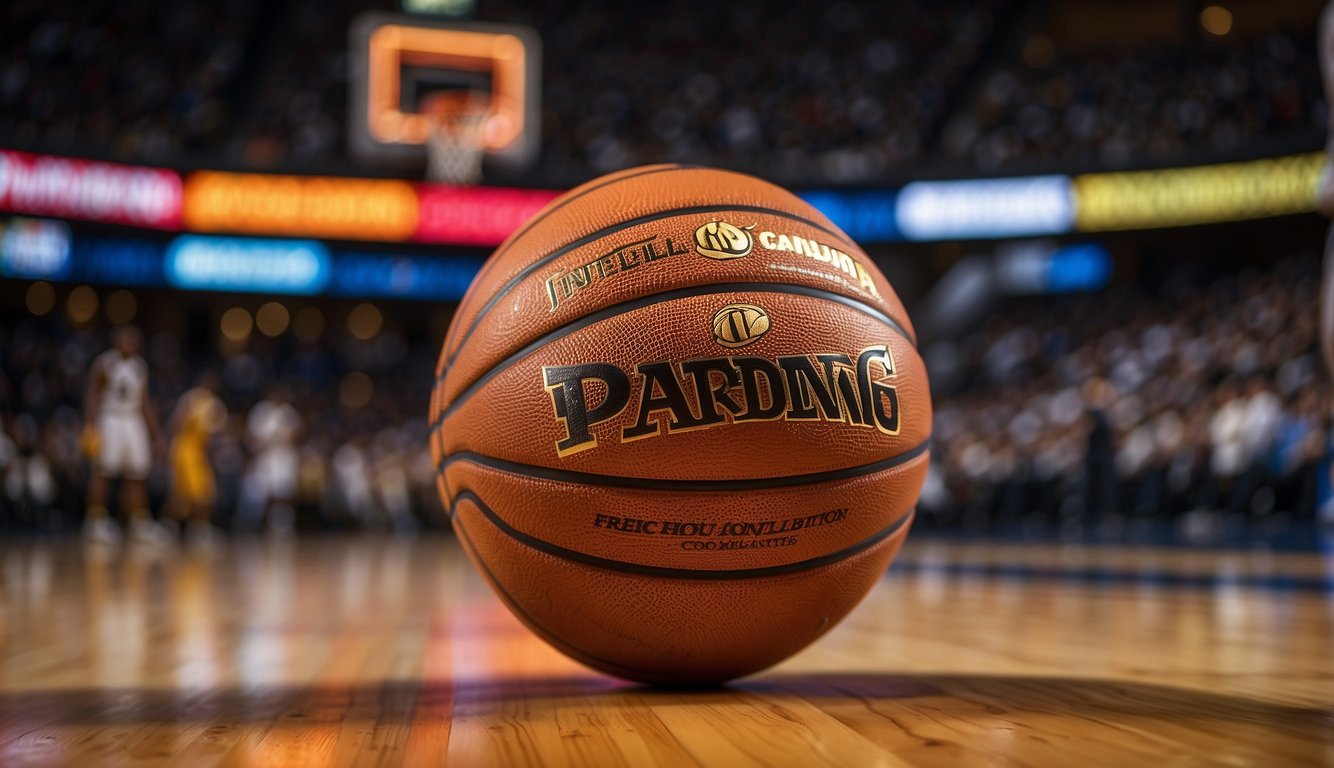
(393, 652)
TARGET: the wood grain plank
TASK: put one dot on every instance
(376, 652)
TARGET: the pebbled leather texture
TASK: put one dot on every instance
(667, 631)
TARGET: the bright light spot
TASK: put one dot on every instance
(82, 304)
(121, 307)
(355, 390)
(365, 321)
(1039, 51)
(1216, 20)
(272, 319)
(41, 297)
(236, 324)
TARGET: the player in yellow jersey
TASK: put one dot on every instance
(198, 416)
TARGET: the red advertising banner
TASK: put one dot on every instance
(92, 191)
(475, 215)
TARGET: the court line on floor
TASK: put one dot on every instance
(1117, 577)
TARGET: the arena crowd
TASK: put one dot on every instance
(802, 93)
(1120, 405)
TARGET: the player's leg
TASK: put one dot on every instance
(252, 500)
(200, 500)
(97, 496)
(140, 523)
(134, 497)
(281, 519)
(103, 446)
(134, 486)
(177, 506)
(97, 525)
(280, 466)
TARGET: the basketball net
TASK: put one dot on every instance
(457, 138)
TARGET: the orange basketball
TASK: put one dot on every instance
(680, 423)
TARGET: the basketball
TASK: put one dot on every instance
(680, 424)
(489, 383)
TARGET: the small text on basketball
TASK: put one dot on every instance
(563, 286)
(696, 529)
(712, 392)
(840, 260)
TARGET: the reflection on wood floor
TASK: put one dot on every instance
(391, 652)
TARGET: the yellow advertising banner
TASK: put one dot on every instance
(305, 206)
(1185, 196)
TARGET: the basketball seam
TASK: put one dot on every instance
(692, 574)
(546, 634)
(542, 215)
(607, 313)
(682, 485)
(637, 221)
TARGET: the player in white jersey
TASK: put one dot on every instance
(121, 433)
(273, 427)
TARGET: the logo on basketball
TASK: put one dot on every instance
(722, 241)
(737, 325)
(650, 399)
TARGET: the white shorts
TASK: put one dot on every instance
(273, 474)
(124, 449)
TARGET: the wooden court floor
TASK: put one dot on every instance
(393, 652)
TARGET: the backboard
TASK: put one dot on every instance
(400, 61)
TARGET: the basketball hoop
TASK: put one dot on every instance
(457, 138)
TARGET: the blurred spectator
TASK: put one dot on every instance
(269, 487)
(1207, 401)
(29, 484)
(352, 471)
(1100, 489)
(1152, 102)
(1227, 433)
(391, 478)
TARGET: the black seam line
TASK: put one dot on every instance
(638, 220)
(702, 574)
(540, 217)
(654, 298)
(527, 617)
(700, 290)
(683, 486)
